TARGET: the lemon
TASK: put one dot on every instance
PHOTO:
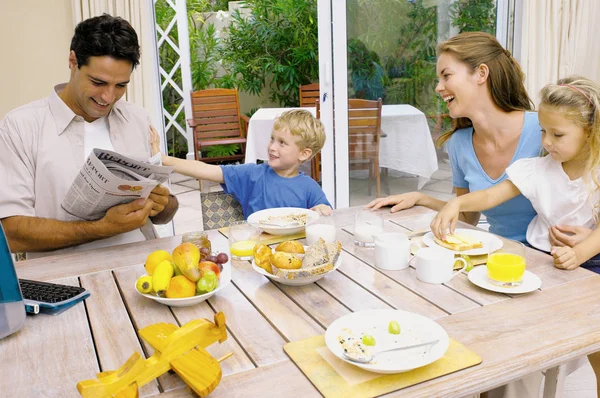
(155, 258)
(243, 248)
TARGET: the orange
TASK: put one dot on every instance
(180, 287)
(155, 258)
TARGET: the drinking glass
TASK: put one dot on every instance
(506, 266)
(366, 225)
(200, 240)
(243, 236)
(322, 227)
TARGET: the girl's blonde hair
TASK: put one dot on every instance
(578, 100)
(303, 124)
(505, 80)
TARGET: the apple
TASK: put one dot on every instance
(209, 266)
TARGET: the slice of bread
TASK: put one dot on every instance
(320, 258)
(459, 242)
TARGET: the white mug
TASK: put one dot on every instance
(436, 265)
(392, 251)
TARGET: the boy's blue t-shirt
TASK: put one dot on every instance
(510, 219)
(258, 187)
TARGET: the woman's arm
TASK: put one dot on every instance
(474, 201)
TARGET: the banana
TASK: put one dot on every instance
(144, 284)
(162, 276)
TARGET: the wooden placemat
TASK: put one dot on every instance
(268, 239)
(416, 243)
(335, 378)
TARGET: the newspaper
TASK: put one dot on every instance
(108, 179)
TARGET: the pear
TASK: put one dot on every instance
(186, 257)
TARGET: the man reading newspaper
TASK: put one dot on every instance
(43, 146)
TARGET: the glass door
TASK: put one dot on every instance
(386, 49)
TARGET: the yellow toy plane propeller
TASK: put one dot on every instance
(178, 348)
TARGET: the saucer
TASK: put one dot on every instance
(478, 276)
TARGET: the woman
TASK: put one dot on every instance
(483, 87)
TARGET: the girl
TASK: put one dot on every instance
(563, 186)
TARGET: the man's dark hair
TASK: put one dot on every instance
(105, 35)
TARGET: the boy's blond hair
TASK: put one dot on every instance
(578, 100)
(303, 124)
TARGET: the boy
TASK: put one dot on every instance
(296, 137)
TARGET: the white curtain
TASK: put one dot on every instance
(560, 38)
(142, 90)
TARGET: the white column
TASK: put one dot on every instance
(186, 74)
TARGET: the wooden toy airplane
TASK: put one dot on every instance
(178, 348)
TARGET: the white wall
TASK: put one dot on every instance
(34, 43)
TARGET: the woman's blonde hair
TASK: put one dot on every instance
(303, 124)
(578, 100)
(505, 79)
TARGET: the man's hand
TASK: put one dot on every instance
(323, 210)
(566, 235)
(160, 197)
(124, 218)
(154, 141)
(399, 202)
(565, 257)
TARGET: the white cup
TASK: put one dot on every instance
(392, 251)
(436, 265)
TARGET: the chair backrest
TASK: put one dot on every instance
(219, 209)
(309, 93)
(216, 116)
(364, 125)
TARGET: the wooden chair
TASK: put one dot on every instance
(217, 120)
(364, 132)
(309, 94)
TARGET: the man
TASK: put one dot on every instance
(44, 144)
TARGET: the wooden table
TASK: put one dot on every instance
(514, 335)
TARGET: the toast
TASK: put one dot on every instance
(458, 242)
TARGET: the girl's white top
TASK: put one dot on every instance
(556, 199)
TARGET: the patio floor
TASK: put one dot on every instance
(580, 384)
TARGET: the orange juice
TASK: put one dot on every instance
(242, 249)
(505, 268)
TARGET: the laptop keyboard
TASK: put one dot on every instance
(45, 292)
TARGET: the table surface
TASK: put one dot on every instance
(407, 146)
(513, 335)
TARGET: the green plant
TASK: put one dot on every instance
(275, 47)
(216, 151)
(474, 15)
(366, 73)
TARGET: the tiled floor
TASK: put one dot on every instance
(580, 384)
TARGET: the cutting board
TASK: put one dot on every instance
(268, 239)
(337, 379)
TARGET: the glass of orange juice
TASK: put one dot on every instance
(243, 236)
(506, 266)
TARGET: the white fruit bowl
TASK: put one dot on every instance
(224, 280)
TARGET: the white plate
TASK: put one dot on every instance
(478, 276)
(224, 280)
(414, 329)
(490, 241)
(298, 281)
(263, 215)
